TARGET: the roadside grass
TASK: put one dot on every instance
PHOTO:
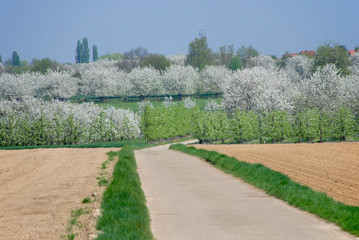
(282, 187)
(106, 180)
(118, 193)
(124, 212)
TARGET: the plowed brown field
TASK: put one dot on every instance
(39, 188)
(332, 168)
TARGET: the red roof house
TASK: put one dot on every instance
(291, 54)
(351, 52)
(308, 53)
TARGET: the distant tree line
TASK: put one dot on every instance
(199, 56)
(17, 66)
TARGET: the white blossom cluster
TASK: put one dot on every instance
(261, 88)
(355, 63)
(144, 82)
(142, 105)
(54, 84)
(168, 102)
(177, 59)
(2, 68)
(264, 61)
(17, 86)
(258, 89)
(215, 78)
(189, 103)
(82, 67)
(298, 67)
(102, 81)
(56, 121)
(103, 78)
(327, 89)
(180, 80)
(212, 106)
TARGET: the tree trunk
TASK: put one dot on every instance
(260, 128)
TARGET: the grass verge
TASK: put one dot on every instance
(135, 143)
(282, 187)
(124, 215)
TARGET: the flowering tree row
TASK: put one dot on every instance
(275, 126)
(54, 84)
(310, 124)
(36, 122)
(260, 89)
(175, 80)
(103, 80)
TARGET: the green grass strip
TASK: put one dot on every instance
(282, 187)
(136, 143)
(125, 215)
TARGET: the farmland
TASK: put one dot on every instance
(100, 103)
(331, 168)
(40, 188)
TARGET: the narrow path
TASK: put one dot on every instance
(189, 199)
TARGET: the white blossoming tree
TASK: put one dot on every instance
(2, 68)
(13, 86)
(351, 92)
(323, 90)
(215, 78)
(298, 67)
(99, 81)
(144, 82)
(355, 63)
(258, 89)
(180, 80)
(35, 122)
(177, 59)
(81, 67)
(264, 61)
(56, 84)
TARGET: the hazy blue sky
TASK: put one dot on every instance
(51, 28)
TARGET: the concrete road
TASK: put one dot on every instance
(190, 199)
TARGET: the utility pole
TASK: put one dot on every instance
(202, 32)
